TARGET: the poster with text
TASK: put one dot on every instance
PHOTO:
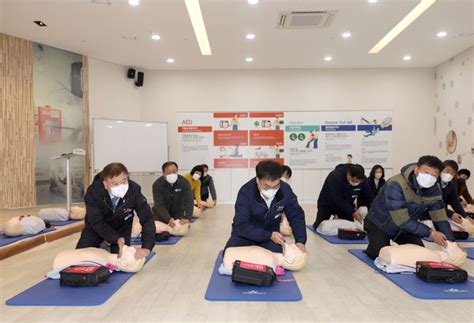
(195, 139)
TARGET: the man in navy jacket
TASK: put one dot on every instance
(342, 186)
(259, 207)
(402, 201)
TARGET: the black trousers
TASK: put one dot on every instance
(324, 213)
(89, 238)
(378, 239)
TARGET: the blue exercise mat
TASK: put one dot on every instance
(171, 241)
(470, 253)
(4, 240)
(221, 288)
(336, 239)
(50, 293)
(470, 239)
(420, 289)
(63, 223)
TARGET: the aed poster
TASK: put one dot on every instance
(302, 140)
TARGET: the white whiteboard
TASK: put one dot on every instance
(141, 146)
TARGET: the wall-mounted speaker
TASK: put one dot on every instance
(131, 73)
(140, 79)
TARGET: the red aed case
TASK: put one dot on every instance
(440, 272)
(77, 276)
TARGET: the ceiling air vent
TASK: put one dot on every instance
(304, 19)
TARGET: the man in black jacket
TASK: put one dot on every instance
(110, 202)
(342, 187)
(172, 196)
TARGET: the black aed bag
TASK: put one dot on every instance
(440, 272)
(460, 235)
(350, 234)
(77, 276)
(162, 236)
(254, 274)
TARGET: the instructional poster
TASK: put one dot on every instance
(302, 140)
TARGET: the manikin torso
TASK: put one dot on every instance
(58, 214)
(291, 259)
(408, 254)
(126, 262)
(22, 225)
(178, 229)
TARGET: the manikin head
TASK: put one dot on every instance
(77, 213)
(127, 262)
(293, 257)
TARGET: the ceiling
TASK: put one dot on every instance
(98, 31)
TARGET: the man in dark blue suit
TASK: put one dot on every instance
(259, 207)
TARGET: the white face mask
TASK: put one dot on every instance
(269, 194)
(172, 178)
(120, 190)
(196, 177)
(446, 178)
(425, 180)
(378, 175)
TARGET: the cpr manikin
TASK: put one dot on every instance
(90, 256)
(197, 212)
(58, 214)
(209, 203)
(330, 227)
(22, 225)
(178, 229)
(400, 258)
(465, 225)
(292, 257)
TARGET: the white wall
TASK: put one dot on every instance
(409, 93)
(113, 96)
(454, 109)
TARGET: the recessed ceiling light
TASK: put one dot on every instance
(402, 25)
(346, 34)
(40, 23)
(442, 34)
(249, 59)
(119, 121)
(134, 2)
(155, 37)
(148, 125)
(252, 1)
(170, 60)
(110, 127)
(250, 36)
(407, 58)
(328, 58)
(372, 1)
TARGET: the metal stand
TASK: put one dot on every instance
(67, 157)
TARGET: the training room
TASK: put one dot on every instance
(236, 160)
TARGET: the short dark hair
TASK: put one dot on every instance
(451, 163)
(375, 168)
(197, 168)
(286, 169)
(430, 161)
(168, 164)
(357, 171)
(204, 166)
(268, 169)
(464, 171)
(113, 170)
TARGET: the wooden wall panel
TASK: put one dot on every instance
(17, 130)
